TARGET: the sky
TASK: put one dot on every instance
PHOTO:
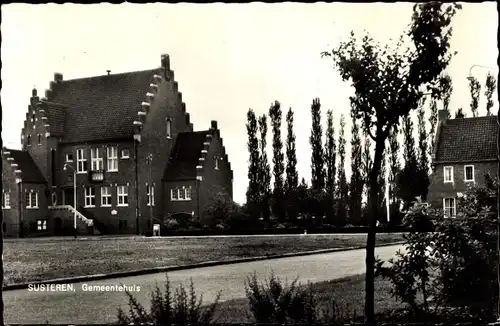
(227, 58)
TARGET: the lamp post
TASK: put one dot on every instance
(149, 159)
(74, 197)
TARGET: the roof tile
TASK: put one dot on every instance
(185, 155)
(30, 171)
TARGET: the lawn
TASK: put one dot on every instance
(30, 260)
(348, 294)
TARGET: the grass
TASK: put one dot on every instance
(348, 293)
(30, 260)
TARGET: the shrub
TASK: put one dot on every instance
(171, 224)
(181, 309)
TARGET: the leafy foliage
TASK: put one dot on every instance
(278, 160)
(292, 178)
(433, 120)
(317, 157)
(460, 114)
(264, 169)
(220, 206)
(330, 153)
(253, 190)
(182, 308)
(357, 182)
(445, 85)
(342, 185)
(490, 86)
(475, 90)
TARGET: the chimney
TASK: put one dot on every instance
(34, 92)
(58, 77)
(108, 71)
(443, 116)
(214, 124)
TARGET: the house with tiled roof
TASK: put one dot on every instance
(119, 145)
(465, 149)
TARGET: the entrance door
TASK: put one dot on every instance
(58, 226)
(68, 196)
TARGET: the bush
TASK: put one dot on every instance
(171, 224)
(182, 309)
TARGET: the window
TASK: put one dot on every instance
(151, 195)
(39, 139)
(31, 199)
(174, 194)
(96, 159)
(216, 163)
(81, 161)
(33, 118)
(112, 159)
(89, 197)
(168, 127)
(6, 200)
(448, 174)
(125, 153)
(183, 193)
(105, 196)
(69, 158)
(469, 173)
(41, 225)
(449, 207)
(122, 195)
(29, 140)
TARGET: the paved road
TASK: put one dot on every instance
(80, 306)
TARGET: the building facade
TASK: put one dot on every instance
(125, 144)
(465, 150)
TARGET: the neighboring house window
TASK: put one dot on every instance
(6, 200)
(81, 160)
(39, 139)
(151, 195)
(89, 197)
(41, 225)
(69, 158)
(122, 195)
(105, 196)
(168, 126)
(125, 153)
(448, 174)
(32, 199)
(112, 159)
(449, 206)
(96, 159)
(469, 172)
(216, 163)
(174, 194)
(29, 140)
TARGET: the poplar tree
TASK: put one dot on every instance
(317, 157)
(342, 186)
(292, 177)
(253, 189)
(490, 86)
(278, 160)
(356, 184)
(264, 169)
(475, 90)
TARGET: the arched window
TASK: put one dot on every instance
(168, 126)
(54, 199)
(29, 140)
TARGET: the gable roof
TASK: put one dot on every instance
(101, 107)
(467, 140)
(30, 171)
(56, 114)
(185, 155)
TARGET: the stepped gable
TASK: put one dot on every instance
(23, 166)
(185, 156)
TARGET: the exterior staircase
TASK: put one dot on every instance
(66, 214)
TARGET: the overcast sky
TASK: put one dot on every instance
(227, 58)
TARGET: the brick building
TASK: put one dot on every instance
(465, 149)
(130, 143)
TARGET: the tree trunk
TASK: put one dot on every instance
(1, 271)
(372, 229)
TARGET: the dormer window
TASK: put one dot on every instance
(168, 127)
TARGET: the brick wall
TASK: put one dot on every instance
(180, 206)
(439, 190)
(10, 215)
(31, 215)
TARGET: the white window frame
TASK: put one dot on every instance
(41, 225)
(125, 156)
(186, 197)
(473, 174)
(449, 207)
(89, 196)
(168, 127)
(29, 199)
(174, 195)
(112, 159)
(106, 195)
(67, 159)
(122, 194)
(150, 194)
(444, 174)
(97, 161)
(81, 159)
(6, 200)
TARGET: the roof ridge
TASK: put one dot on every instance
(103, 76)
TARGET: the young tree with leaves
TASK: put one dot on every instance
(446, 89)
(490, 86)
(278, 161)
(253, 190)
(367, 164)
(357, 182)
(388, 84)
(292, 177)
(330, 153)
(423, 165)
(265, 169)
(342, 186)
(475, 90)
(317, 157)
(394, 170)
